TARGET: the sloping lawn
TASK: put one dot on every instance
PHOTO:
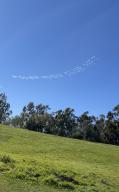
(34, 162)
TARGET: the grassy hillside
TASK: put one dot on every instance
(36, 162)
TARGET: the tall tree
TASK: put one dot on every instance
(111, 131)
(5, 111)
(64, 122)
(41, 109)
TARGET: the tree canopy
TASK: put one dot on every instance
(4, 108)
(64, 122)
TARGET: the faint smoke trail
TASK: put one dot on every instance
(73, 71)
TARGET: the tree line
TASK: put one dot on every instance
(103, 129)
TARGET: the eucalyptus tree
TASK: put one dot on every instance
(5, 111)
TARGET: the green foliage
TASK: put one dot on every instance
(4, 108)
(66, 123)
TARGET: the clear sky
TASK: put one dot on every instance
(45, 37)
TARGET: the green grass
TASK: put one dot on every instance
(34, 162)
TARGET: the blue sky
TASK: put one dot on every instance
(44, 37)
